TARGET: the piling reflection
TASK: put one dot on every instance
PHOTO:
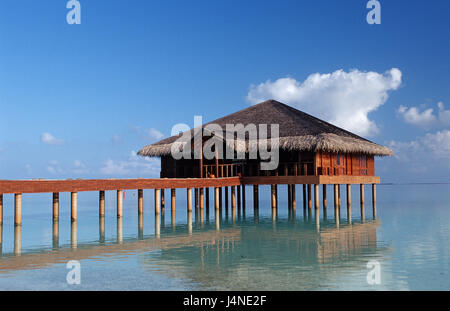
(55, 235)
(222, 248)
(101, 229)
(17, 240)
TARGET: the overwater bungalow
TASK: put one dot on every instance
(307, 146)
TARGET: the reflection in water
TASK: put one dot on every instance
(73, 235)
(17, 240)
(55, 230)
(252, 250)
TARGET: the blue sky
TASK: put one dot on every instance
(80, 100)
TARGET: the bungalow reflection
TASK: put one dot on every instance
(229, 253)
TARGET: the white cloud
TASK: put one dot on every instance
(426, 119)
(154, 134)
(342, 98)
(54, 167)
(80, 167)
(425, 149)
(134, 165)
(49, 139)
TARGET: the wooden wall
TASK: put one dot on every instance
(350, 164)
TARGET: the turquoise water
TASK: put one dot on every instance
(301, 251)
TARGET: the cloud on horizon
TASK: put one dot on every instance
(427, 118)
(49, 139)
(344, 99)
(134, 166)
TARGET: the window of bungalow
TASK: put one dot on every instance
(338, 159)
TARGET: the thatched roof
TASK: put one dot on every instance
(297, 131)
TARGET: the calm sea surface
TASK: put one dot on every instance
(409, 239)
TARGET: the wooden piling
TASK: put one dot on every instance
(304, 196)
(196, 197)
(220, 197)
(238, 197)
(18, 209)
(233, 196)
(173, 200)
(274, 196)
(216, 198)
(255, 197)
(324, 196)
(226, 198)
(339, 195)
(336, 198)
(202, 198)
(189, 199)
(309, 197)
(349, 203)
(140, 201)
(316, 196)
(101, 229)
(1, 209)
(119, 203)
(289, 189)
(101, 203)
(243, 197)
(207, 198)
(157, 201)
(374, 201)
(55, 206)
(163, 199)
(73, 206)
(293, 198)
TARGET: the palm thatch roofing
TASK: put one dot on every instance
(297, 131)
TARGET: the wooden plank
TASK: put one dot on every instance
(79, 185)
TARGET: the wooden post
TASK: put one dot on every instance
(294, 202)
(189, 199)
(316, 196)
(339, 195)
(289, 189)
(157, 201)
(207, 198)
(361, 196)
(238, 197)
(101, 203)
(349, 203)
(233, 196)
(1, 209)
(226, 197)
(243, 197)
(255, 197)
(101, 229)
(140, 201)
(202, 198)
(163, 199)
(55, 206)
(196, 197)
(220, 197)
(336, 199)
(274, 196)
(324, 195)
(374, 201)
(304, 196)
(119, 203)
(73, 205)
(216, 198)
(18, 209)
(309, 197)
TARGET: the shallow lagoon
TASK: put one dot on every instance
(409, 238)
